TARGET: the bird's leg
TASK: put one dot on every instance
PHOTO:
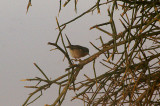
(76, 59)
(73, 59)
(79, 60)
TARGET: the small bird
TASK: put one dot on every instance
(77, 51)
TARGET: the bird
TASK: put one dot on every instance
(77, 51)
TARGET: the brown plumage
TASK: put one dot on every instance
(77, 51)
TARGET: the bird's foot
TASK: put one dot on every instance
(77, 59)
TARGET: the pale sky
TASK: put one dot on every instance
(23, 41)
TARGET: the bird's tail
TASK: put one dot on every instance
(69, 43)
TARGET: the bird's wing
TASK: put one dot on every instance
(75, 47)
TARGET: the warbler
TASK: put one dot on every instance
(77, 51)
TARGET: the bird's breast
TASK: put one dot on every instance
(77, 53)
